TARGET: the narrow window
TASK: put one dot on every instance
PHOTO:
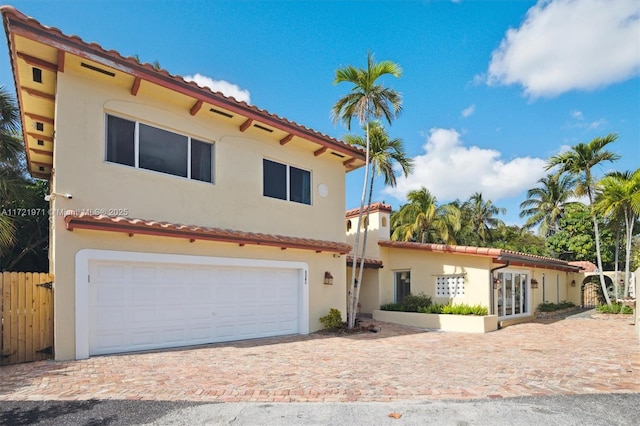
(348, 225)
(275, 179)
(300, 182)
(201, 159)
(120, 140)
(403, 285)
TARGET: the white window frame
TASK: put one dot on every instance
(136, 147)
(395, 283)
(501, 310)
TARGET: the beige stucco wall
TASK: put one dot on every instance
(235, 201)
(378, 229)
(425, 266)
(370, 291)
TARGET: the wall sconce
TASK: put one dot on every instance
(328, 278)
(573, 283)
(496, 283)
(534, 283)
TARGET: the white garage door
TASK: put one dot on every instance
(149, 305)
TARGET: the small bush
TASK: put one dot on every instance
(412, 302)
(551, 307)
(333, 320)
(436, 308)
(615, 308)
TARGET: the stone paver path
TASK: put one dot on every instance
(546, 357)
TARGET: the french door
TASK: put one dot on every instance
(513, 294)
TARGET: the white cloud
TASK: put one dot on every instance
(450, 170)
(468, 111)
(581, 123)
(224, 87)
(568, 45)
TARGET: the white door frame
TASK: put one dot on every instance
(82, 282)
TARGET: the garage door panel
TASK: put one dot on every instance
(138, 306)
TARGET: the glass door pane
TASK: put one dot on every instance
(517, 302)
(508, 294)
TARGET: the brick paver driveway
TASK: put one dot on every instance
(552, 357)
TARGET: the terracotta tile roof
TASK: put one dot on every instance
(368, 262)
(132, 226)
(585, 265)
(15, 22)
(500, 255)
(375, 207)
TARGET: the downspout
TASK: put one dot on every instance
(492, 290)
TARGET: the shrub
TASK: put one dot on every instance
(412, 302)
(333, 320)
(460, 309)
(392, 307)
(551, 307)
(615, 308)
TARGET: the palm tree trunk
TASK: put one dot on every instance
(630, 219)
(351, 312)
(616, 285)
(364, 246)
(603, 285)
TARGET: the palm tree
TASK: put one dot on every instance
(619, 196)
(367, 99)
(384, 154)
(579, 162)
(422, 220)
(11, 153)
(544, 205)
(482, 217)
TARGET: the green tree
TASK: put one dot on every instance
(618, 195)
(512, 237)
(579, 162)
(366, 100)
(574, 239)
(482, 217)
(422, 220)
(544, 204)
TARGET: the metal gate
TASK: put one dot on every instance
(591, 294)
(26, 317)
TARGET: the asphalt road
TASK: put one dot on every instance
(582, 410)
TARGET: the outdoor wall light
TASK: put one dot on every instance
(496, 283)
(573, 283)
(53, 195)
(534, 283)
(328, 278)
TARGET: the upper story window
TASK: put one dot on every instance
(146, 147)
(286, 182)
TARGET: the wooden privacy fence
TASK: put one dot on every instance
(26, 313)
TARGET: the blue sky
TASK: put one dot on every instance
(490, 88)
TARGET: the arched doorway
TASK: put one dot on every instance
(592, 295)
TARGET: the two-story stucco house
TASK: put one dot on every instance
(179, 216)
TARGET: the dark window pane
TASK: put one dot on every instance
(275, 179)
(162, 151)
(120, 136)
(300, 182)
(201, 160)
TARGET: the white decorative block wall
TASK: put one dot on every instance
(449, 285)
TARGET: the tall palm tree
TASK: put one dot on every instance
(422, 220)
(618, 195)
(367, 99)
(482, 217)
(579, 161)
(544, 205)
(384, 155)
